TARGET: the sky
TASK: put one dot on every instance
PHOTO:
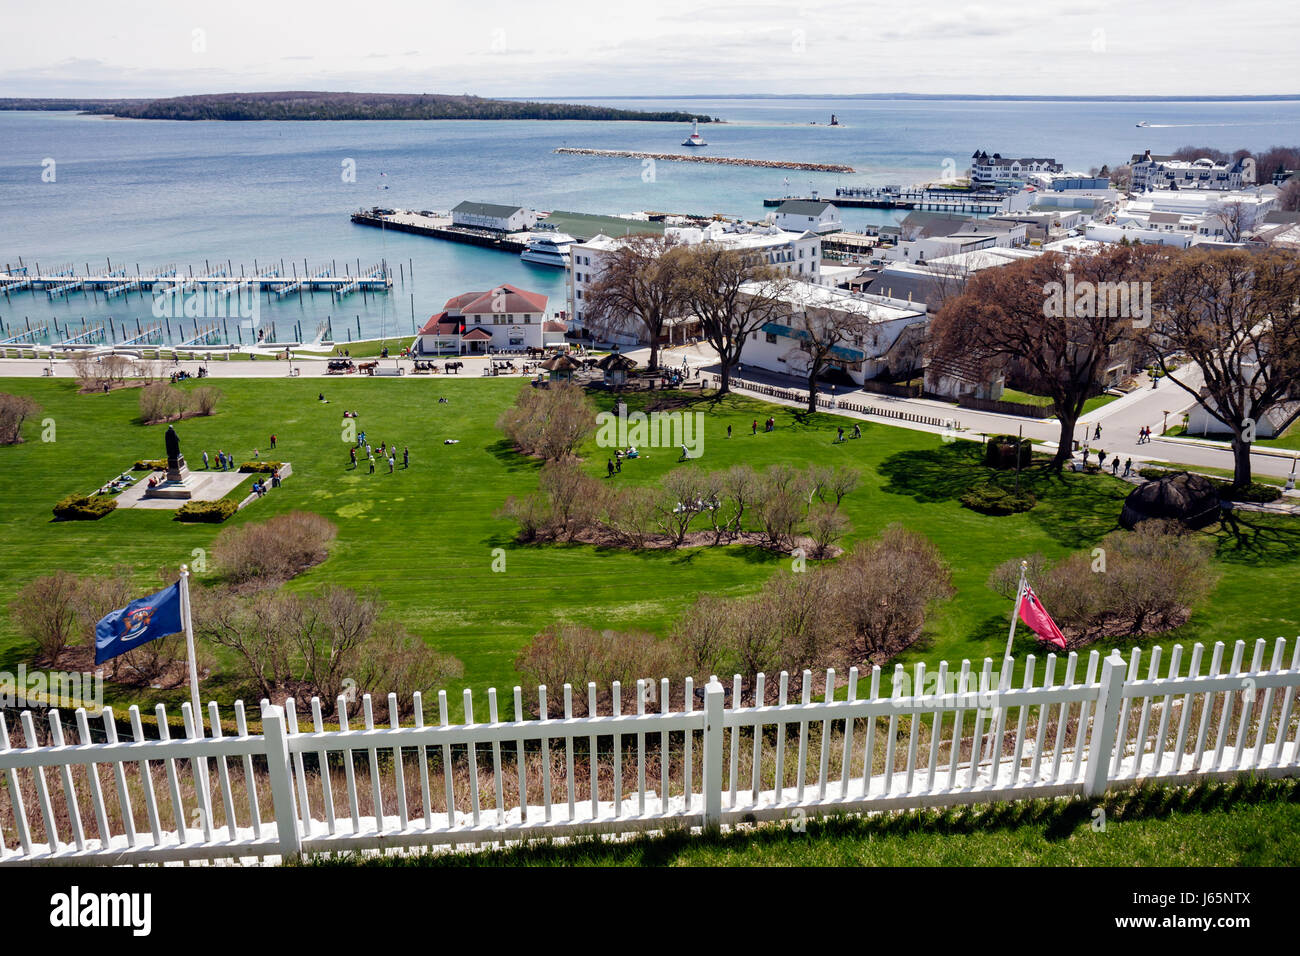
(580, 48)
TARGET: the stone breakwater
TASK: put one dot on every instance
(716, 160)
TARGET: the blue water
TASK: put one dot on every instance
(152, 193)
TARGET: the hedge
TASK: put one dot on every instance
(213, 512)
(992, 500)
(149, 464)
(84, 507)
(1000, 451)
(264, 467)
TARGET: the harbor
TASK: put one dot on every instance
(218, 306)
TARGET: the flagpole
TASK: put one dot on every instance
(189, 649)
(1015, 616)
(1004, 680)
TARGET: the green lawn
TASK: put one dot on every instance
(1249, 823)
(1043, 401)
(424, 538)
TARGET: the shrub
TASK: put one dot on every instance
(1000, 451)
(1136, 582)
(150, 464)
(1154, 474)
(84, 507)
(992, 500)
(160, 402)
(14, 410)
(579, 655)
(881, 591)
(45, 611)
(550, 422)
(260, 467)
(213, 512)
(274, 550)
(204, 400)
(1256, 491)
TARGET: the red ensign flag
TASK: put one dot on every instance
(1035, 615)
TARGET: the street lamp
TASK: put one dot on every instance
(1164, 428)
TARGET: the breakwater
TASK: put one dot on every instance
(716, 160)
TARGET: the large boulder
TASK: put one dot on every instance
(1191, 499)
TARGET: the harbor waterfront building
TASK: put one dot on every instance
(808, 215)
(493, 217)
(1165, 172)
(504, 318)
(888, 334)
(987, 171)
(795, 253)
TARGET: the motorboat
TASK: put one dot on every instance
(548, 249)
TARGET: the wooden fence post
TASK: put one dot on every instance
(713, 701)
(1104, 726)
(282, 799)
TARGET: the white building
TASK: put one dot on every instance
(1186, 217)
(987, 171)
(808, 215)
(1165, 172)
(498, 218)
(504, 318)
(885, 328)
(795, 253)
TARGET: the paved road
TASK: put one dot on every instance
(1119, 420)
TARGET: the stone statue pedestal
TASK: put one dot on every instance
(177, 482)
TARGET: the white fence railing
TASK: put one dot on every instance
(933, 739)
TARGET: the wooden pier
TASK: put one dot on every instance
(931, 200)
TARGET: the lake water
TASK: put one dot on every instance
(151, 193)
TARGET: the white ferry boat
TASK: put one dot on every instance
(695, 139)
(548, 249)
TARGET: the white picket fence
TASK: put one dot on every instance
(1057, 734)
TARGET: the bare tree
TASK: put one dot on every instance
(1019, 313)
(733, 294)
(549, 422)
(14, 410)
(821, 333)
(638, 290)
(1236, 315)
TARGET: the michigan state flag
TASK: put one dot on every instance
(138, 623)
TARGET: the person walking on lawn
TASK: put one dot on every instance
(352, 453)
(372, 462)
(406, 456)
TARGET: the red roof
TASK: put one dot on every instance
(456, 301)
(553, 326)
(440, 325)
(477, 335)
(503, 298)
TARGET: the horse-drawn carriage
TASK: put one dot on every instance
(368, 367)
(340, 367)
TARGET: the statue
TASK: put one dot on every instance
(173, 442)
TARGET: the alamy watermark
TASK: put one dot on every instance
(242, 302)
(66, 690)
(1087, 299)
(628, 430)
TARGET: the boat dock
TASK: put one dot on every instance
(221, 282)
(582, 226)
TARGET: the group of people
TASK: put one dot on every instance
(386, 453)
(857, 433)
(614, 465)
(224, 461)
(259, 486)
(1144, 434)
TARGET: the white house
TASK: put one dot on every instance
(795, 253)
(1165, 172)
(500, 319)
(498, 218)
(987, 171)
(808, 215)
(884, 328)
